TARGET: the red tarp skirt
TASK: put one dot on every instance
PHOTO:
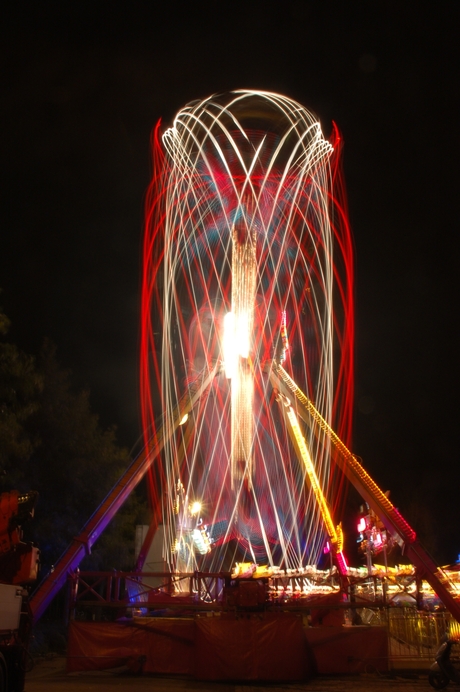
(265, 647)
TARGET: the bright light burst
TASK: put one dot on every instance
(245, 228)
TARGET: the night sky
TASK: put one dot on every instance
(82, 90)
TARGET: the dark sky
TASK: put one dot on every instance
(82, 90)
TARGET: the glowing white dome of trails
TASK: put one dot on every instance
(200, 123)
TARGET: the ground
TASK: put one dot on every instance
(49, 675)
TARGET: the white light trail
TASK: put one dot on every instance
(247, 235)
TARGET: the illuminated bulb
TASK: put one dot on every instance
(195, 508)
(184, 419)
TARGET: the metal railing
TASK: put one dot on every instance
(415, 636)
(94, 594)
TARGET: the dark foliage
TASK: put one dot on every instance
(51, 442)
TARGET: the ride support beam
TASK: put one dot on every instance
(82, 544)
(393, 521)
(303, 455)
(183, 445)
(435, 576)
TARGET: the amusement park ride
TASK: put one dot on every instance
(246, 250)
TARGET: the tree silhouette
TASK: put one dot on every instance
(52, 442)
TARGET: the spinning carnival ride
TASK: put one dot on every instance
(247, 263)
(247, 319)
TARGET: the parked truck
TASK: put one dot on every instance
(19, 562)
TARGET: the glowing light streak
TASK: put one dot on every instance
(284, 337)
(242, 218)
(303, 450)
(244, 271)
(454, 630)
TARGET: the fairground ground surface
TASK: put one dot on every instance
(48, 675)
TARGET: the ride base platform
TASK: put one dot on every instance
(252, 646)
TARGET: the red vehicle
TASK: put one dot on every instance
(18, 568)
